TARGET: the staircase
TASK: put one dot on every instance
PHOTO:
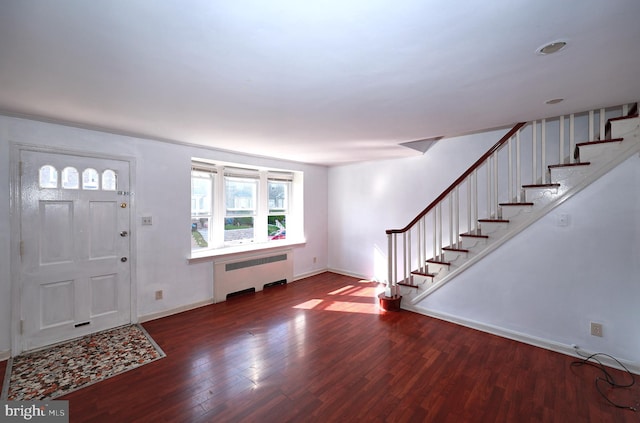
(534, 168)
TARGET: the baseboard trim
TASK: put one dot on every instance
(347, 273)
(524, 338)
(309, 274)
(166, 313)
(5, 355)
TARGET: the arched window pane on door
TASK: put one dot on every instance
(70, 179)
(90, 179)
(109, 180)
(48, 177)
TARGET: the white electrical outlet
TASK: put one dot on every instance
(147, 220)
(596, 329)
(159, 295)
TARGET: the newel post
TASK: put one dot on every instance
(389, 299)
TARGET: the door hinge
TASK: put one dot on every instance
(21, 327)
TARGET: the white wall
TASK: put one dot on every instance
(548, 283)
(162, 190)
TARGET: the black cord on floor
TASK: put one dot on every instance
(608, 378)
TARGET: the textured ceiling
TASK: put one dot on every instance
(326, 82)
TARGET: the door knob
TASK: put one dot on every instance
(123, 259)
(124, 233)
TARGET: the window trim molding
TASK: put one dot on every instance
(295, 217)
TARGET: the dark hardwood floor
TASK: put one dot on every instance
(320, 350)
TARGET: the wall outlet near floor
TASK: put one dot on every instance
(596, 329)
(159, 295)
(147, 220)
(315, 259)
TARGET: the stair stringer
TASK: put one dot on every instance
(626, 149)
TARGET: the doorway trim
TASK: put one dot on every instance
(15, 219)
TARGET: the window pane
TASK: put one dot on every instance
(70, 179)
(240, 195)
(200, 233)
(277, 227)
(90, 179)
(278, 195)
(109, 180)
(200, 196)
(48, 177)
(238, 229)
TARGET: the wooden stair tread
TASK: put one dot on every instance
(493, 220)
(541, 186)
(460, 250)
(428, 275)
(581, 144)
(557, 166)
(433, 261)
(516, 204)
(408, 284)
(475, 236)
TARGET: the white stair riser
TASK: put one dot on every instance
(488, 228)
(621, 127)
(510, 212)
(453, 256)
(599, 152)
(534, 194)
(472, 244)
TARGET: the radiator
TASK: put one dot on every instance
(251, 272)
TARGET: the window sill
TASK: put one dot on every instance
(210, 255)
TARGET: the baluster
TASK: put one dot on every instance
(457, 217)
(451, 219)
(572, 138)
(603, 124)
(534, 151)
(543, 150)
(420, 247)
(439, 208)
(625, 110)
(474, 222)
(494, 204)
(423, 259)
(488, 188)
(391, 258)
(469, 186)
(435, 232)
(510, 172)
(406, 238)
(561, 161)
(518, 169)
(591, 129)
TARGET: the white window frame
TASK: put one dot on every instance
(294, 213)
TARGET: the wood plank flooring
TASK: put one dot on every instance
(320, 350)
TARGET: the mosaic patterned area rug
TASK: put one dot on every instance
(67, 367)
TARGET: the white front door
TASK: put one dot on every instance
(75, 264)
